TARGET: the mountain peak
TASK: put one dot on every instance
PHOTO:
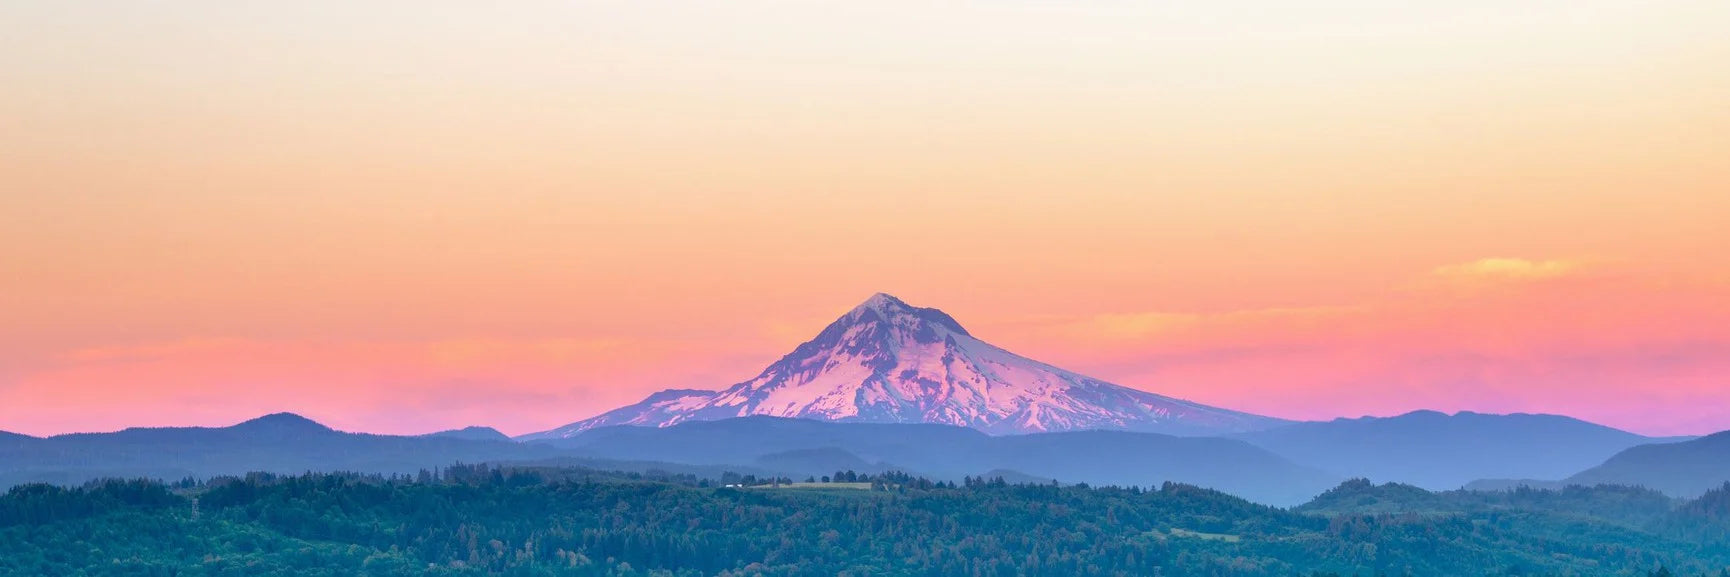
(885, 307)
(883, 302)
(283, 421)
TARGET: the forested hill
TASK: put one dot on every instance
(1569, 512)
(544, 522)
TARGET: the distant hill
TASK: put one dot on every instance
(472, 433)
(1126, 458)
(1438, 451)
(648, 468)
(1095, 457)
(817, 462)
(744, 440)
(1512, 484)
(282, 443)
(1686, 469)
(1363, 496)
(10, 437)
(1713, 507)
(1628, 506)
(1706, 519)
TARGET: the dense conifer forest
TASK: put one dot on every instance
(477, 520)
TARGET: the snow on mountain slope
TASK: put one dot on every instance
(888, 362)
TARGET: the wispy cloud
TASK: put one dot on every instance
(1579, 336)
(1510, 268)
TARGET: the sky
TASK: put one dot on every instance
(409, 216)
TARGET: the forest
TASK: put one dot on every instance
(481, 520)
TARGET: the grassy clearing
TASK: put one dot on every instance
(1175, 532)
(847, 486)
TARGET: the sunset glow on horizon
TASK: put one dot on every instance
(415, 216)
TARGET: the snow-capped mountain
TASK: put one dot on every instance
(888, 362)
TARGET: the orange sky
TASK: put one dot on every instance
(407, 216)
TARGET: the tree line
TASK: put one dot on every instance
(484, 520)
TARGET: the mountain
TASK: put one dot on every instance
(1438, 451)
(889, 362)
(803, 447)
(281, 443)
(472, 434)
(1686, 469)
